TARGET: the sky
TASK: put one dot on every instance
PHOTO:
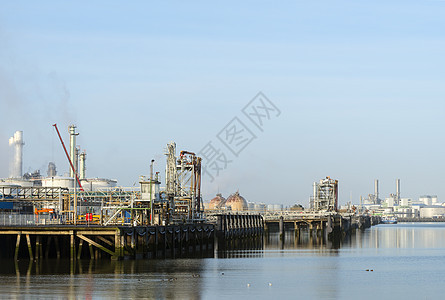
(357, 89)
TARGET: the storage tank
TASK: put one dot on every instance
(278, 207)
(426, 200)
(260, 207)
(434, 200)
(236, 202)
(94, 184)
(432, 211)
(58, 181)
(218, 202)
(17, 182)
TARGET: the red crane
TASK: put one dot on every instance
(67, 155)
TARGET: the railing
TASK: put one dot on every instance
(271, 215)
(29, 220)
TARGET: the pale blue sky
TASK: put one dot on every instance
(360, 85)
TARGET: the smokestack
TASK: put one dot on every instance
(16, 141)
(82, 159)
(72, 130)
(398, 189)
(376, 191)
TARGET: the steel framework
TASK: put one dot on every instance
(183, 185)
(326, 195)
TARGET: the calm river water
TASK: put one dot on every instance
(407, 262)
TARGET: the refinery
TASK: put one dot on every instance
(77, 199)
(150, 220)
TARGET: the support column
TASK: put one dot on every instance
(28, 240)
(117, 246)
(48, 244)
(17, 245)
(38, 254)
(281, 228)
(79, 253)
(90, 246)
(56, 240)
(72, 246)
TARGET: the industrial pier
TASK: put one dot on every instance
(331, 225)
(115, 242)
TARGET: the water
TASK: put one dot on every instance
(407, 262)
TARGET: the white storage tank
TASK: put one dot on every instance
(259, 207)
(94, 184)
(434, 200)
(432, 211)
(278, 207)
(18, 182)
(58, 181)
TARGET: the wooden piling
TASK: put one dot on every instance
(28, 240)
(17, 245)
(37, 247)
(79, 253)
(56, 242)
(48, 245)
(281, 228)
(72, 247)
(90, 246)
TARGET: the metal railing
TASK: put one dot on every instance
(29, 220)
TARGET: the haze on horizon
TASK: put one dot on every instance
(359, 86)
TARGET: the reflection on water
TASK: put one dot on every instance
(304, 240)
(122, 279)
(405, 235)
(308, 266)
